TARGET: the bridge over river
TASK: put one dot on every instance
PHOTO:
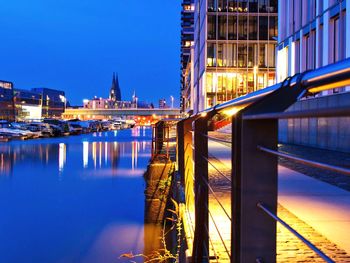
(84, 113)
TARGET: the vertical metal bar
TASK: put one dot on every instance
(255, 177)
(235, 190)
(180, 149)
(153, 137)
(184, 142)
(257, 182)
(201, 240)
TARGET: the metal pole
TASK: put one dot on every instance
(201, 239)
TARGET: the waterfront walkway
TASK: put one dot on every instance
(318, 210)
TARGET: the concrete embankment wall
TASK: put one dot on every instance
(325, 133)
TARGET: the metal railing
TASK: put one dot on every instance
(163, 139)
(253, 175)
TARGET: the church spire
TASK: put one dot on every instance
(115, 93)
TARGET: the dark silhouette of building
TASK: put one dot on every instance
(7, 109)
(187, 30)
(115, 94)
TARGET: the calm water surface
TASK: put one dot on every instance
(73, 199)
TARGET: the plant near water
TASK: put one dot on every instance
(164, 254)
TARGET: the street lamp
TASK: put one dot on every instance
(172, 101)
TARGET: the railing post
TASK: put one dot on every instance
(184, 149)
(159, 136)
(255, 180)
(255, 177)
(201, 236)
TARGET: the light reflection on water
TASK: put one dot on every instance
(73, 199)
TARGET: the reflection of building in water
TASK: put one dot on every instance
(135, 148)
(101, 153)
(26, 153)
(6, 160)
(136, 131)
(62, 156)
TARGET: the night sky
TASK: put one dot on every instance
(75, 45)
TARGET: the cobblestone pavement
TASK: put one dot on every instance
(289, 248)
(319, 155)
(315, 154)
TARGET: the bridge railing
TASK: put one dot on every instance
(253, 173)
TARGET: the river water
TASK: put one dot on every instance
(73, 199)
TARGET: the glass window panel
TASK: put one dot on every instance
(242, 6)
(263, 6)
(222, 20)
(263, 28)
(232, 27)
(250, 82)
(232, 5)
(253, 27)
(242, 27)
(253, 6)
(211, 55)
(252, 55)
(219, 88)
(229, 55)
(234, 55)
(211, 27)
(271, 55)
(209, 82)
(273, 6)
(222, 5)
(273, 28)
(220, 55)
(241, 84)
(212, 5)
(262, 80)
(262, 55)
(242, 55)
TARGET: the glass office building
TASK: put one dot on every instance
(187, 31)
(234, 49)
(53, 102)
(312, 34)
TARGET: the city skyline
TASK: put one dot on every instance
(85, 42)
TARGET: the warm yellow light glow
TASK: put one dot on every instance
(85, 154)
(282, 62)
(255, 70)
(231, 112)
(203, 114)
(330, 86)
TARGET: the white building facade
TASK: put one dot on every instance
(312, 34)
(234, 49)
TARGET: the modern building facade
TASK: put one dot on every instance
(28, 105)
(7, 107)
(187, 36)
(234, 49)
(53, 102)
(101, 103)
(312, 34)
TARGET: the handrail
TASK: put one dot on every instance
(307, 162)
(327, 112)
(295, 233)
(249, 161)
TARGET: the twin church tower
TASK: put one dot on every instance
(114, 93)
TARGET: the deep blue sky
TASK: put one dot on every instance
(75, 45)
